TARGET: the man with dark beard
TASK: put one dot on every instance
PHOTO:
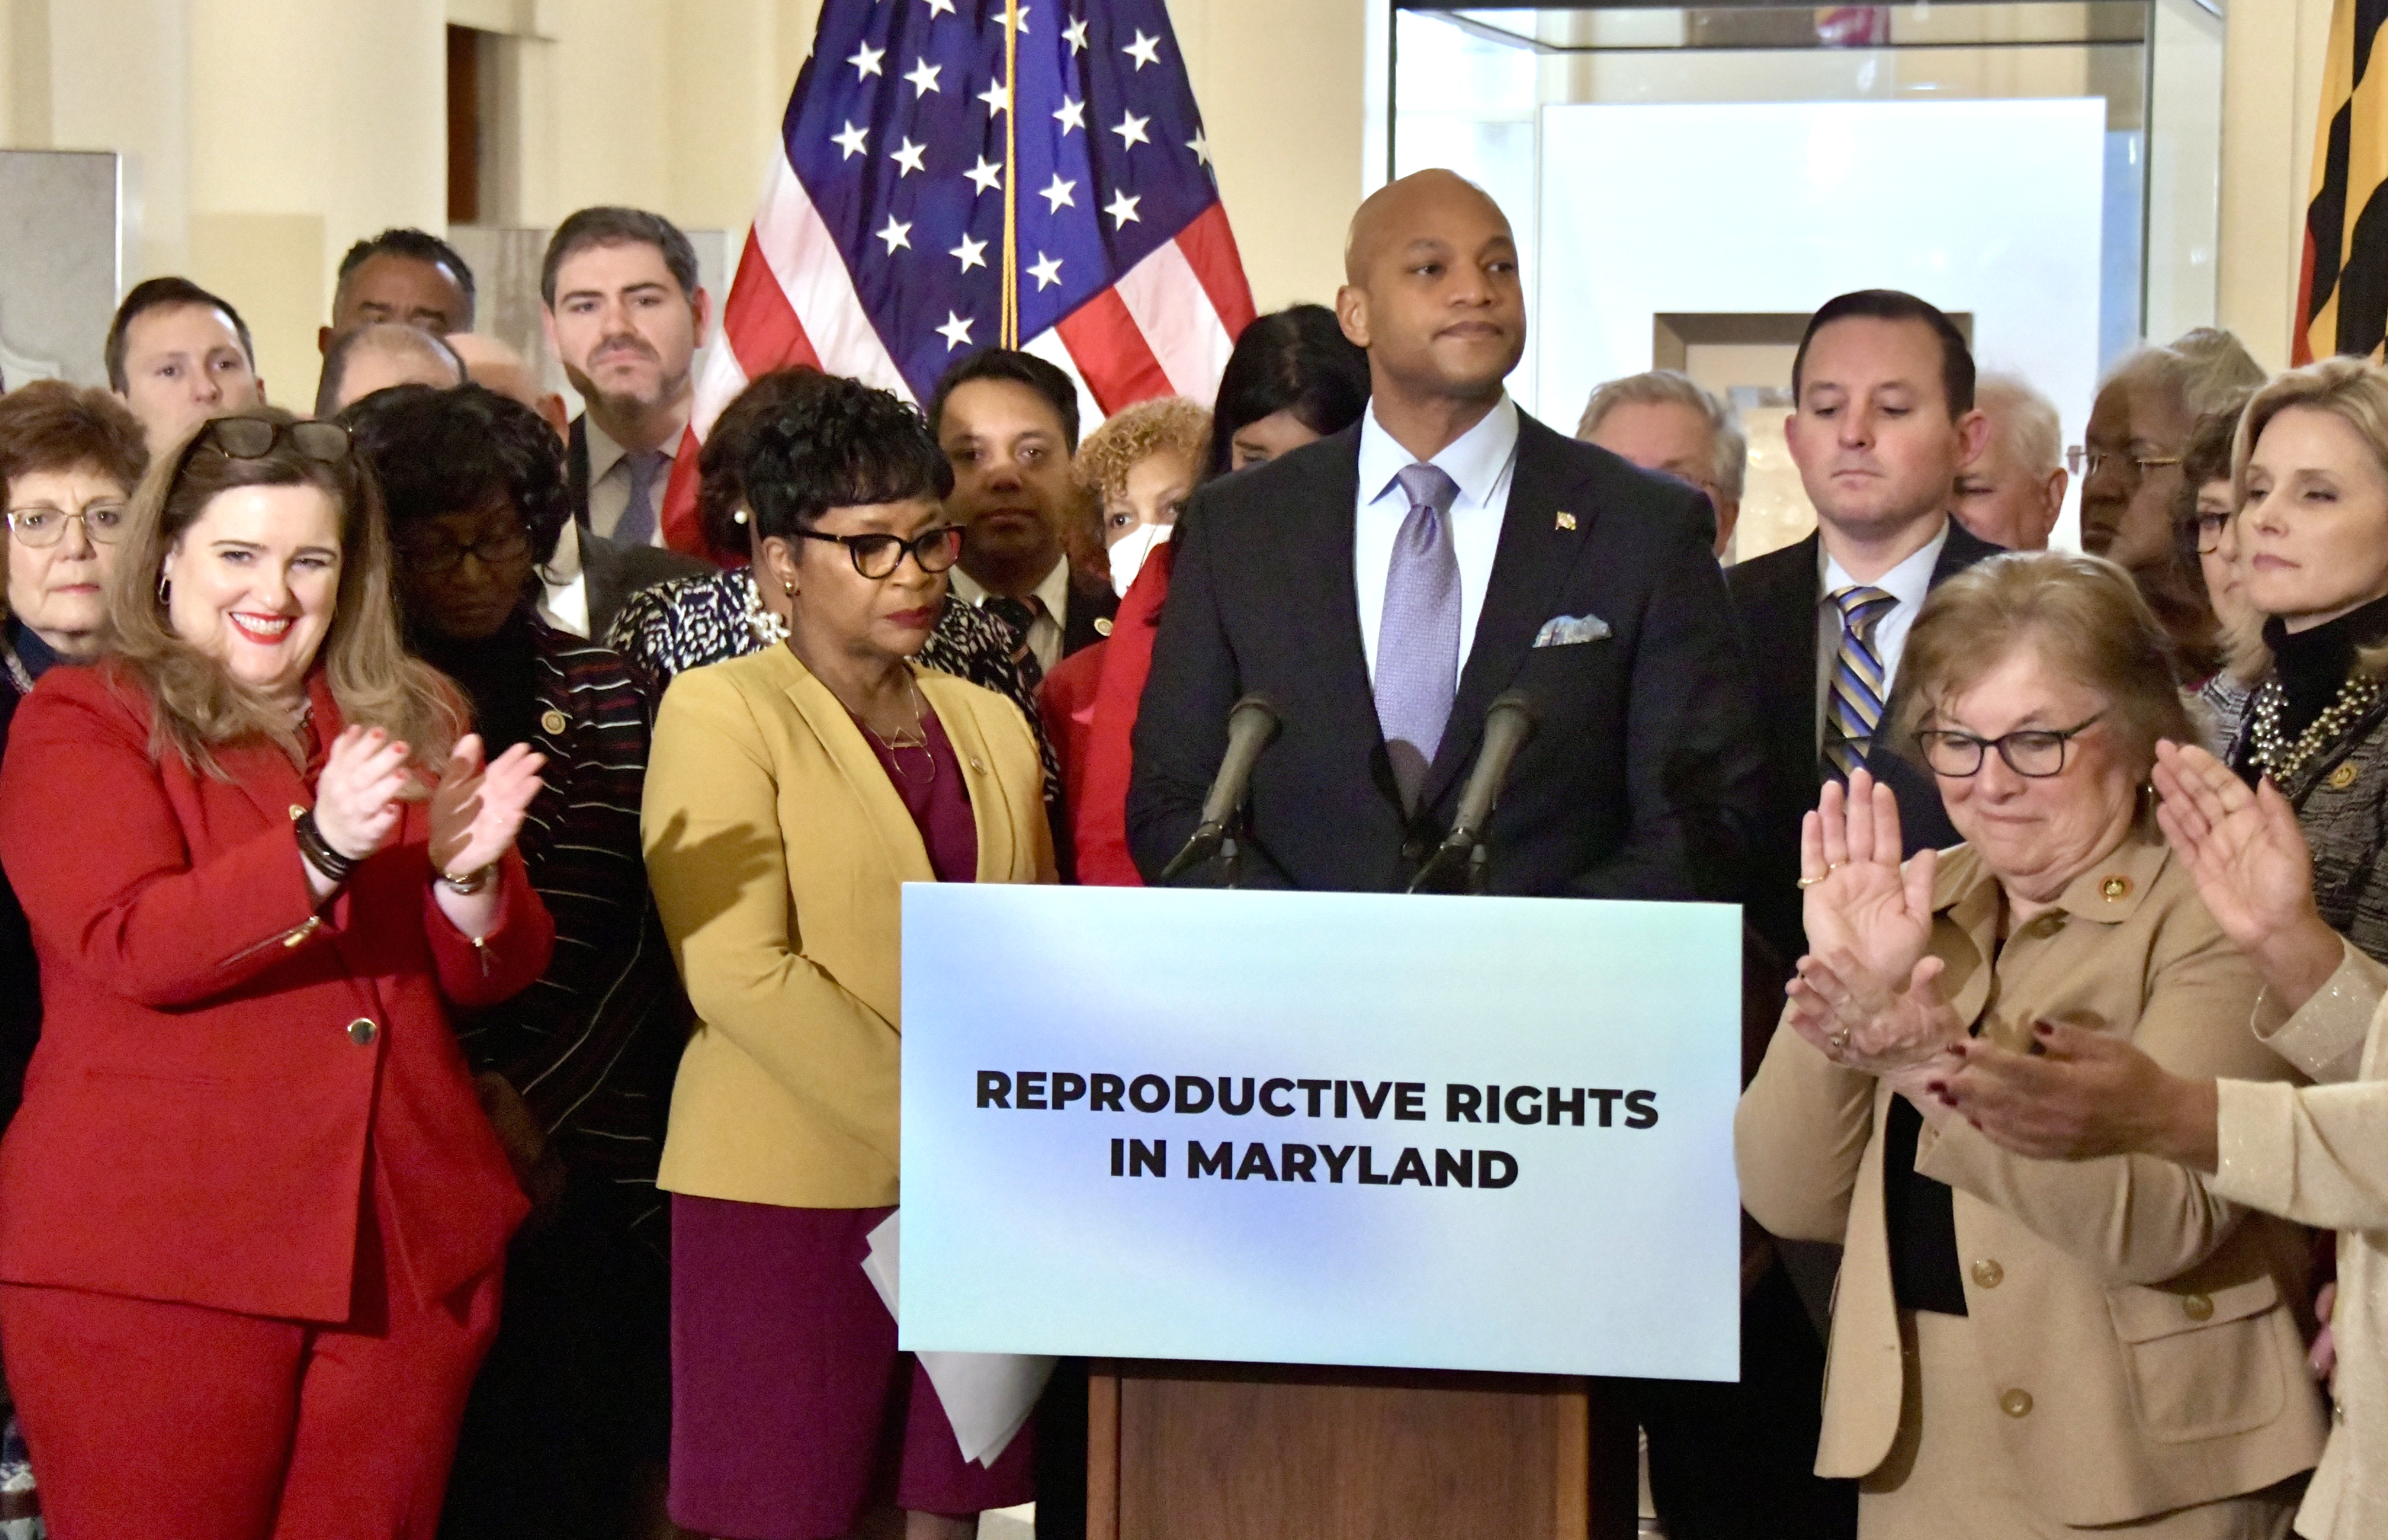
(625, 313)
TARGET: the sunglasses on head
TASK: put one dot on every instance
(254, 438)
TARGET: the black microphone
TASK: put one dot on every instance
(1508, 722)
(1251, 725)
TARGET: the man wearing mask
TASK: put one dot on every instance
(1385, 584)
(625, 314)
(1008, 422)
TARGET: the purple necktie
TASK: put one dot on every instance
(1417, 645)
(637, 524)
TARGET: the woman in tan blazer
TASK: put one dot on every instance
(2026, 1347)
(790, 796)
(2289, 867)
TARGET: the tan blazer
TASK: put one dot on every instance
(2140, 1334)
(778, 850)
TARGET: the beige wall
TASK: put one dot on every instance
(268, 134)
(2271, 89)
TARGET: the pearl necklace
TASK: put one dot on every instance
(2283, 760)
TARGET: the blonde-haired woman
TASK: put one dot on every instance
(251, 1215)
(2311, 472)
(2026, 1347)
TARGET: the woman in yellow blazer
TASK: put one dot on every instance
(790, 796)
(2026, 1347)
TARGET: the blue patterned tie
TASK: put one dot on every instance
(637, 524)
(1417, 645)
(1853, 711)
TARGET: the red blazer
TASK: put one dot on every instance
(1097, 795)
(220, 1065)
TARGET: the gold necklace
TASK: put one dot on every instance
(2282, 761)
(916, 739)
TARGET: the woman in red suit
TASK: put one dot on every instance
(1293, 377)
(251, 1215)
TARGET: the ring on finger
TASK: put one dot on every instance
(1839, 1041)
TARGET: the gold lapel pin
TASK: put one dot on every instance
(2115, 888)
(1567, 521)
(2342, 777)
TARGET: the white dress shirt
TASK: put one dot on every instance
(1044, 631)
(563, 597)
(609, 480)
(1483, 461)
(1907, 584)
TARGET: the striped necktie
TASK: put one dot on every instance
(1853, 711)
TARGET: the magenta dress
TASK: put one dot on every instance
(792, 1413)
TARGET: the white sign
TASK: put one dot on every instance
(1326, 1128)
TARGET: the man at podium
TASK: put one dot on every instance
(1382, 587)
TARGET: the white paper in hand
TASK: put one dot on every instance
(987, 1396)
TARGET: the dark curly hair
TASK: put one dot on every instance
(444, 452)
(730, 446)
(832, 442)
(1295, 360)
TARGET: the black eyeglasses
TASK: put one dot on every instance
(877, 557)
(2038, 753)
(434, 556)
(2206, 532)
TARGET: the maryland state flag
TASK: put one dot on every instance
(2343, 294)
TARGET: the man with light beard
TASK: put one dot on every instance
(589, 578)
(625, 314)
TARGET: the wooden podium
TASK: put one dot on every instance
(1200, 1451)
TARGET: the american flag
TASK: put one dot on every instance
(957, 174)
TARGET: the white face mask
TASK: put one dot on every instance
(1127, 556)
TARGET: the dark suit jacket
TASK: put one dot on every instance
(1643, 777)
(611, 571)
(1775, 596)
(1093, 604)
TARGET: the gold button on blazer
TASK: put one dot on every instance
(778, 850)
(2155, 1323)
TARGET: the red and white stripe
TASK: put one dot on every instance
(1165, 328)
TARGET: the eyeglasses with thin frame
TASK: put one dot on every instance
(877, 557)
(2034, 752)
(39, 525)
(2094, 460)
(433, 555)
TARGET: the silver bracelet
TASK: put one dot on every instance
(470, 882)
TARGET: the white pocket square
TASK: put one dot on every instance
(1568, 630)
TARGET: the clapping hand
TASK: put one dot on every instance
(1857, 899)
(476, 809)
(357, 806)
(1865, 995)
(2252, 867)
(2243, 846)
